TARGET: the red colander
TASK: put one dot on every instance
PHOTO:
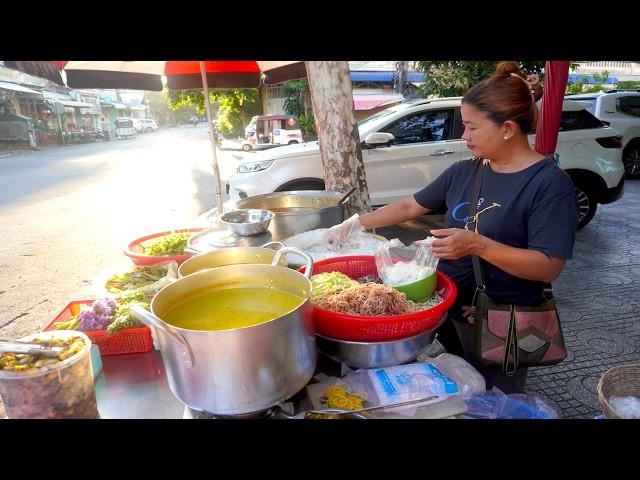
(361, 328)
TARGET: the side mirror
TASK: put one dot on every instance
(379, 139)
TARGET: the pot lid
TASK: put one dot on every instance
(215, 238)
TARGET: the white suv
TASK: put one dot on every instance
(408, 145)
(621, 110)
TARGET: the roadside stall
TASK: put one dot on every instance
(254, 318)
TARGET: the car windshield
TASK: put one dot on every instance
(364, 123)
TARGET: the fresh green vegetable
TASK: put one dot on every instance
(72, 324)
(171, 244)
(139, 278)
(330, 282)
(123, 318)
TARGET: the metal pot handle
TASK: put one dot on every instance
(308, 269)
(150, 320)
(273, 244)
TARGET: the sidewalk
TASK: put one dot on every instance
(598, 297)
(9, 153)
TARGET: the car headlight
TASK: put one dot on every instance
(255, 166)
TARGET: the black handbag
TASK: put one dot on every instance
(513, 336)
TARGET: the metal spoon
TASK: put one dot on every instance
(14, 346)
(336, 413)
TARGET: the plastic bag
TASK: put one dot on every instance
(385, 386)
(398, 264)
(495, 404)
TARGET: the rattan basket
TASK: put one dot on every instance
(620, 381)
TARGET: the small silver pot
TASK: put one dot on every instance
(375, 354)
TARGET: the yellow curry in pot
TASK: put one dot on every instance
(230, 308)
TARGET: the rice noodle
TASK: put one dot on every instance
(371, 299)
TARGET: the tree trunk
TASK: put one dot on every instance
(338, 136)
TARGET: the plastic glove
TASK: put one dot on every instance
(336, 235)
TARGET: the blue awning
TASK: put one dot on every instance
(589, 79)
(383, 76)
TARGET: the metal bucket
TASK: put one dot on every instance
(298, 211)
(241, 370)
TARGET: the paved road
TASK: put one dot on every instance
(67, 212)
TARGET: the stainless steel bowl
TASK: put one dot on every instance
(298, 211)
(375, 354)
(249, 221)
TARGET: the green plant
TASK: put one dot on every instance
(628, 84)
(584, 87)
(294, 92)
(307, 124)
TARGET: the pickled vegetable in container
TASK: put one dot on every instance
(35, 386)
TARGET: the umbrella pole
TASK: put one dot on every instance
(216, 170)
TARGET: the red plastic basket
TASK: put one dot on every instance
(361, 328)
(128, 340)
(134, 249)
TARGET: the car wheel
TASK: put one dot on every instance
(292, 142)
(631, 160)
(246, 147)
(302, 185)
(587, 205)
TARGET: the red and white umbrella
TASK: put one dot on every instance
(180, 74)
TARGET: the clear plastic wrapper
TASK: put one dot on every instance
(399, 264)
(445, 377)
(626, 407)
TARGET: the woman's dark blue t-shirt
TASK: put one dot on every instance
(535, 208)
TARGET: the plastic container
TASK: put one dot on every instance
(62, 390)
(129, 340)
(419, 290)
(361, 328)
(134, 249)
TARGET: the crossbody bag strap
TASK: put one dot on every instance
(473, 211)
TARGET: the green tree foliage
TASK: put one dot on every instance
(628, 85)
(583, 85)
(295, 92)
(234, 106)
(454, 78)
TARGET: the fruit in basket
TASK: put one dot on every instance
(171, 244)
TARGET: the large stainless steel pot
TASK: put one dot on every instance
(231, 256)
(242, 370)
(298, 211)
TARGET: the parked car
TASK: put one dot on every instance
(408, 145)
(148, 125)
(621, 110)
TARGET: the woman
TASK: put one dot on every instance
(527, 211)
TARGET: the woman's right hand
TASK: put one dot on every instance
(336, 235)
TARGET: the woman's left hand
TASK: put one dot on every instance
(454, 243)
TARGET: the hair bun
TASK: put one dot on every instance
(504, 69)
